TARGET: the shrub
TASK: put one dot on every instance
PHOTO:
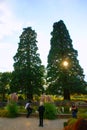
(82, 115)
(50, 111)
(3, 113)
(71, 121)
(12, 109)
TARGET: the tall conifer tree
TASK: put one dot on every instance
(28, 71)
(64, 74)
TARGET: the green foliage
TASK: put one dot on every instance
(66, 109)
(69, 124)
(81, 98)
(3, 113)
(21, 109)
(50, 111)
(5, 79)
(71, 121)
(27, 76)
(12, 109)
(65, 124)
(83, 115)
(64, 80)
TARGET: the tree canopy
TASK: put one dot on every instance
(64, 73)
(27, 76)
(5, 79)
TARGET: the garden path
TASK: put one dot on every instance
(23, 123)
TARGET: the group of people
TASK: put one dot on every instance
(41, 110)
(80, 125)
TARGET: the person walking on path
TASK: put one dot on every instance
(41, 111)
(28, 107)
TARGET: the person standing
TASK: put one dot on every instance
(41, 111)
(74, 110)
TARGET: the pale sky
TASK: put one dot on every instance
(41, 15)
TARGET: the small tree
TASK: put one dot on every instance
(5, 79)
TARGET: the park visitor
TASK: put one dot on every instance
(74, 110)
(41, 111)
(28, 107)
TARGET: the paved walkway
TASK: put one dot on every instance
(23, 123)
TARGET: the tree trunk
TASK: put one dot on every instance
(66, 94)
(29, 96)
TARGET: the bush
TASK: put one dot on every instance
(71, 121)
(50, 111)
(82, 115)
(12, 109)
(3, 113)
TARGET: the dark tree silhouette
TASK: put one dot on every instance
(27, 76)
(64, 74)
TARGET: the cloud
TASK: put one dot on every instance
(7, 51)
(9, 28)
(8, 23)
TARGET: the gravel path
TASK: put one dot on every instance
(23, 123)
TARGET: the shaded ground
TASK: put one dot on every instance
(23, 123)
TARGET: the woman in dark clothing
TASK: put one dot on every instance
(41, 110)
